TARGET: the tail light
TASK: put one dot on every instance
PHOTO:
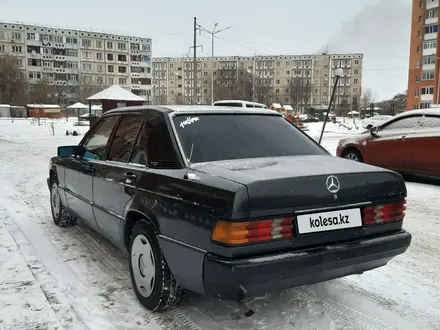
(377, 214)
(236, 233)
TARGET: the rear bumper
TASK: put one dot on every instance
(235, 279)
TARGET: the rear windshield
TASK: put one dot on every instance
(223, 137)
(228, 104)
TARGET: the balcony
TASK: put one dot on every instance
(433, 20)
(426, 97)
(428, 67)
(430, 36)
(429, 51)
(432, 4)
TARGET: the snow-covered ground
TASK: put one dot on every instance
(54, 278)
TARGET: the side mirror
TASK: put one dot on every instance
(67, 151)
(374, 130)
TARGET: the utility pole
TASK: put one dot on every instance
(194, 61)
(213, 33)
(194, 47)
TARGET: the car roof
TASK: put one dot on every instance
(430, 111)
(180, 109)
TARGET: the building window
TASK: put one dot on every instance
(419, 49)
(122, 81)
(122, 69)
(416, 93)
(425, 105)
(355, 81)
(419, 34)
(430, 59)
(426, 91)
(2, 48)
(99, 56)
(431, 28)
(430, 44)
(87, 67)
(110, 68)
(421, 3)
(110, 80)
(87, 55)
(109, 57)
(417, 79)
(418, 64)
(427, 75)
(16, 35)
(86, 43)
(122, 58)
(31, 36)
(431, 13)
(98, 43)
(17, 49)
(122, 46)
(100, 68)
(109, 44)
(420, 19)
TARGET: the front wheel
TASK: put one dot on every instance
(352, 154)
(60, 216)
(154, 284)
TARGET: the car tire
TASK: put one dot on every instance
(152, 280)
(352, 154)
(61, 217)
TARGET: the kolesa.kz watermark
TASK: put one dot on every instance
(326, 222)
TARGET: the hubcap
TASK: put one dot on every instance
(55, 199)
(352, 156)
(142, 261)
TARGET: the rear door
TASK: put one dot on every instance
(114, 183)
(390, 148)
(79, 171)
(425, 151)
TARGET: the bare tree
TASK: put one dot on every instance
(263, 91)
(233, 85)
(355, 103)
(42, 92)
(13, 82)
(367, 98)
(299, 91)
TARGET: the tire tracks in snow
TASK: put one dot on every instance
(102, 254)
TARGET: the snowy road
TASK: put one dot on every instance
(54, 278)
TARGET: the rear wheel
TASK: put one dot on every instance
(154, 284)
(369, 127)
(60, 216)
(352, 154)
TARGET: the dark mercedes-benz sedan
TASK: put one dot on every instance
(225, 202)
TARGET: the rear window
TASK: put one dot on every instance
(229, 104)
(234, 136)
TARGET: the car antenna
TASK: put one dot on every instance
(186, 176)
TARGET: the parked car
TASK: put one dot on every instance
(374, 121)
(239, 104)
(219, 201)
(407, 143)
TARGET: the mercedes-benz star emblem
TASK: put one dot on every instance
(332, 184)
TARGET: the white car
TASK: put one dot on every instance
(368, 123)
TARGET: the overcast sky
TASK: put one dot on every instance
(380, 29)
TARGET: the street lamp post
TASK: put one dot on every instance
(338, 74)
(213, 33)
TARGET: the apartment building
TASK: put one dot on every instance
(173, 78)
(79, 63)
(423, 76)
